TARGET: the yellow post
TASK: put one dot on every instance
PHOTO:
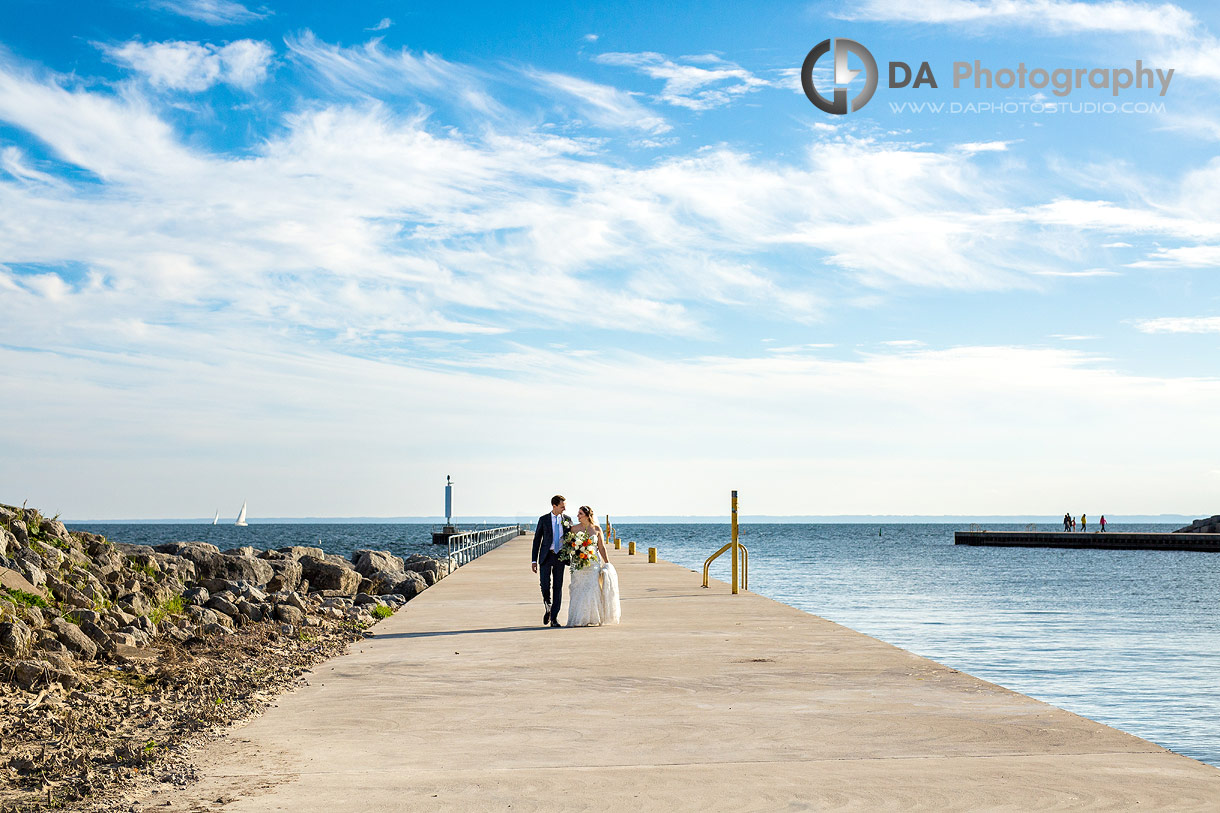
(618, 544)
(652, 556)
(735, 545)
(631, 549)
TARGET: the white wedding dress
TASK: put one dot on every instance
(593, 596)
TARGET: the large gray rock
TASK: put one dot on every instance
(289, 614)
(134, 603)
(210, 563)
(16, 639)
(19, 530)
(1210, 525)
(288, 574)
(77, 642)
(55, 529)
(411, 585)
(297, 551)
(68, 594)
(98, 635)
(433, 570)
(196, 595)
(368, 562)
(384, 581)
(33, 573)
(327, 575)
(222, 605)
(8, 542)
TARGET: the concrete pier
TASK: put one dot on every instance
(699, 700)
(1108, 540)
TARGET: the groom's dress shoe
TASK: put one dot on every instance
(555, 624)
(546, 617)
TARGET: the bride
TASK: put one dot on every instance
(593, 598)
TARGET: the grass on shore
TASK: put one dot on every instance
(171, 606)
(23, 599)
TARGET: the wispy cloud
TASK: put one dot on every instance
(195, 66)
(384, 23)
(985, 146)
(1059, 16)
(603, 105)
(1181, 257)
(213, 12)
(697, 82)
(1180, 324)
(372, 70)
(1180, 39)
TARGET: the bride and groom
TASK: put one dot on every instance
(593, 598)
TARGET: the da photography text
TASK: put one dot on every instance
(833, 96)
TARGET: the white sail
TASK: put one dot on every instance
(216, 518)
(241, 517)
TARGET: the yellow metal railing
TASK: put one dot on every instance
(744, 553)
(741, 557)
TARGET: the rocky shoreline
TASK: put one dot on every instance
(114, 656)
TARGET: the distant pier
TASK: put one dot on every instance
(1109, 540)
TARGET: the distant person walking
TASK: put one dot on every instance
(1067, 522)
(1103, 523)
(1084, 524)
(1073, 524)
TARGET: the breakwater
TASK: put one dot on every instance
(1096, 540)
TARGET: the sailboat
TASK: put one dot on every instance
(216, 518)
(241, 517)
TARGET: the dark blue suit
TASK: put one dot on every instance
(550, 569)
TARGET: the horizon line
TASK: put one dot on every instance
(641, 518)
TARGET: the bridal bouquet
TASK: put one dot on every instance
(579, 550)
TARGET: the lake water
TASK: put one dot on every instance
(1128, 638)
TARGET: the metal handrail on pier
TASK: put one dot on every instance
(741, 556)
(466, 547)
(745, 564)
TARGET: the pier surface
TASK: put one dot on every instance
(700, 700)
(1108, 540)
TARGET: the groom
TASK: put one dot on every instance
(548, 540)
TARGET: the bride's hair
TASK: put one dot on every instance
(588, 512)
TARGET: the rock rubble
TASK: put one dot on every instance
(111, 654)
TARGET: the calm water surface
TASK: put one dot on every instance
(1128, 638)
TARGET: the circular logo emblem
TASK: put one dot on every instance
(842, 77)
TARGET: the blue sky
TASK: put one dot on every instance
(318, 256)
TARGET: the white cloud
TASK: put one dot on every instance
(213, 12)
(985, 146)
(603, 105)
(1180, 324)
(371, 70)
(385, 23)
(14, 162)
(381, 427)
(195, 66)
(1181, 41)
(711, 82)
(1088, 272)
(1181, 257)
(590, 38)
(1060, 16)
